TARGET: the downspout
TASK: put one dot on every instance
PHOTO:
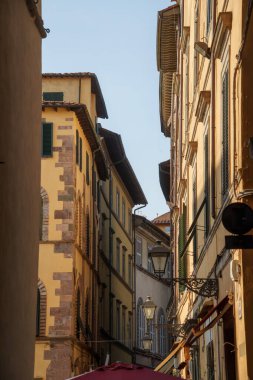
(134, 286)
(213, 211)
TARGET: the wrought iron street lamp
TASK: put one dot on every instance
(149, 311)
(206, 287)
(149, 308)
(147, 342)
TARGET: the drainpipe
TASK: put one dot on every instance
(134, 286)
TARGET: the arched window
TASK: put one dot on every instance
(87, 316)
(44, 215)
(41, 309)
(161, 332)
(140, 323)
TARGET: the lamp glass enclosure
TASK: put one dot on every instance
(159, 256)
(149, 308)
(147, 342)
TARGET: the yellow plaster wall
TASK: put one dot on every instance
(75, 90)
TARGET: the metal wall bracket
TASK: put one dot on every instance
(205, 287)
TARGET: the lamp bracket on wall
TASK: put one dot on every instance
(205, 287)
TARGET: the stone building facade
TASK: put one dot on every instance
(72, 166)
(116, 266)
(203, 55)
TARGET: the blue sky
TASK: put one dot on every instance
(117, 41)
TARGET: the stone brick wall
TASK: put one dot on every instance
(60, 354)
(63, 313)
(45, 214)
(66, 214)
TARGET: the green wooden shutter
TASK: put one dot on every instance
(81, 155)
(225, 137)
(77, 147)
(47, 139)
(206, 185)
(53, 96)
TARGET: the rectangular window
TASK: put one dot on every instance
(196, 39)
(194, 212)
(210, 361)
(47, 139)
(123, 212)
(94, 184)
(130, 271)
(87, 169)
(138, 251)
(130, 222)
(206, 184)
(111, 193)
(53, 96)
(77, 147)
(208, 15)
(81, 155)
(111, 314)
(225, 120)
(118, 255)
(150, 266)
(181, 244)
(117, 203)
(123, 324)
(111, 246)
(124, 254)
(129, 330)
(118, 320)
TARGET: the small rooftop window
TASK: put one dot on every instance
(53, 96)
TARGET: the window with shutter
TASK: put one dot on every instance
(210, 361)
(206, 186)
(194, 212)
(47, 139)
(181, 244)
(81, 155)
(87, 169)
(53, 96)
(77, 147)
(208, 15)
(138, 251)
(225, 147)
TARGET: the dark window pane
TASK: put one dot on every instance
(53, 96)
(47, 139)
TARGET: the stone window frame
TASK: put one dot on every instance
(44, 215)
(43, 308)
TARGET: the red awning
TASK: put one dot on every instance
(124, 371)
